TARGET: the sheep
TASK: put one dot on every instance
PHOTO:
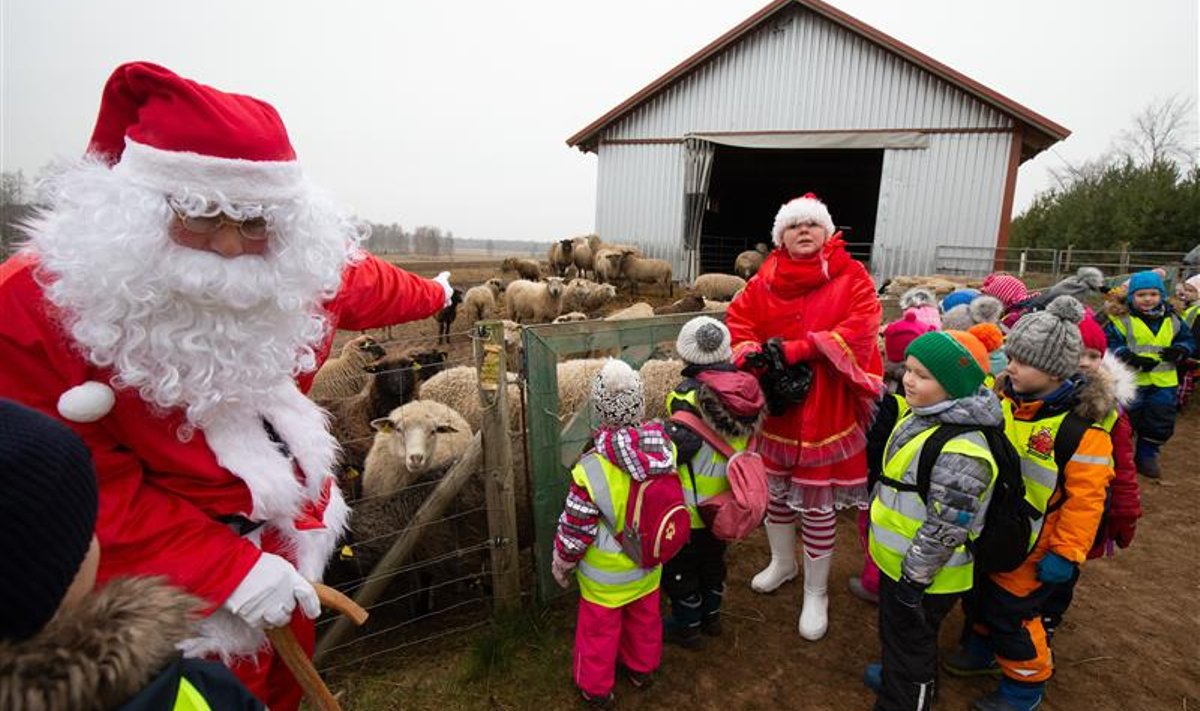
(607, 263)
(419, 436)
(571, 317)
(525, 268)
(710, 305)
(571, 272)
(582, 255)
(721, 287)
(459, 388)
(638, 270)
(561, 256)
(445, 317)
(574, 293)
(346, 374)
(659, 378)
(598, 298)
(536, 302)
(690, 303)
(480, 301)
(747, 263)
(639, 310)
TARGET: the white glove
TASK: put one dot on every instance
(444, 280)
(561, 570)
(269, 593)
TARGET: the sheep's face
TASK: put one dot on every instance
(567, 247)
(614, 260)
(554, 285)
(414, 440)
(608, 291)
(370, 349)
(496, 286)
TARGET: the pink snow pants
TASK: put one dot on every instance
(604, 636)
(870, 571)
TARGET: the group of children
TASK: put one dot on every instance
(1000, 405)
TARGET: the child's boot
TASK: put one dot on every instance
(1012, 696)
(683, 626)
(814, 614)
(859, 589)
(974, 658)
(710, 610)
(873, 677)
(782, 568)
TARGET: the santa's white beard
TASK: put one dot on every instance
(187, 328)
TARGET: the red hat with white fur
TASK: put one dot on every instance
(808, 208)
(179, 136)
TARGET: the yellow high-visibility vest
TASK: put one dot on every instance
(709, 473)
(897, 515)
(1142, 341)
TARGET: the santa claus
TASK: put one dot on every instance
(171, 305)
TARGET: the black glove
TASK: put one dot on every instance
(911, 595)
(1175, 354)
(783, 385)
(1136, 361)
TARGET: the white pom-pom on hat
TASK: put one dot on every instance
(808, 208)
(87, 402)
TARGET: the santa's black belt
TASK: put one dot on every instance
(240, 524)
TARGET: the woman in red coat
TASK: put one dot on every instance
(822, 305)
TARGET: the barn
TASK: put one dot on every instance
(908, 153)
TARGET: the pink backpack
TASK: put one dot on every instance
(657, 524)
(734, 514)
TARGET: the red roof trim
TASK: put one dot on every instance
(585, 139)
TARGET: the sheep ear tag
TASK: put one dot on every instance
(87, 402)
(383, 424)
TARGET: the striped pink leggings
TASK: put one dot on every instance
(818, 529)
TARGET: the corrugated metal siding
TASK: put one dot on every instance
(949, 193)
(802, 72)
(639, 198)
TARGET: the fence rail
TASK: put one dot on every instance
(1052, 264)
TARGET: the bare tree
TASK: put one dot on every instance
(1164, 131)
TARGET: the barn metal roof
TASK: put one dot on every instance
(1037, 134)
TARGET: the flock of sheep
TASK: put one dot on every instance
(404, 418)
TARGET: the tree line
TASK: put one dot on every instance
(1143, 194)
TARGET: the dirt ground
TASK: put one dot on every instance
(1131, 640)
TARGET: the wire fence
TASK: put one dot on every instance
(1040, 266)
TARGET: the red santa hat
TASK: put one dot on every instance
(808, 208)
(179, 136)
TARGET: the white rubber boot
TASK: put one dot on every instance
(814, 615)
(782, 568)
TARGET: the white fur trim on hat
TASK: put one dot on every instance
(87, 402)
(801, 209)
(238, 180)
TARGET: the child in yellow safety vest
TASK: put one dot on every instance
(919, 538)
(731, 403)
(619, 620)
(1055, 423)
(1153, 340)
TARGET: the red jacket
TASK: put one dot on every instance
(830, 320)
(161, 499)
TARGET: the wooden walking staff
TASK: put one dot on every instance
(288, 648)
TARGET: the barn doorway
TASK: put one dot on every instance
(747, 186)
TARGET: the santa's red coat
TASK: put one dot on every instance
(161, 499)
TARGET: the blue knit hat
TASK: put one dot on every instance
(1145, 280)
(958, 297)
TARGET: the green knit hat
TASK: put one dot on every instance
(949, 361)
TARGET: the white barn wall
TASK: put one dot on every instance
(800, 72)
(949, 193)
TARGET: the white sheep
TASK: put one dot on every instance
(535, 302)
(414, 438)
(607, 263)
(458, 388)
(639, 270)
(719, 287)
(480, 301)
(582, 255)
(346, 374)
(748, 263)
(639, 310)
(571, 317)
(659, 378)
(598, 298)
(711, 305)
(574, 293)
(525, 268)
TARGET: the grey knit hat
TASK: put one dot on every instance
(704, 341)
(617, 395)
(1049, 340)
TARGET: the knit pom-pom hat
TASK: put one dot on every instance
(956, 359)
(986, 309)
(1006, 287)
(958, 297)
(989, 335)
(1092, 334)
(617, 395)
(1049, 340)
(704, 341)
(898, 334)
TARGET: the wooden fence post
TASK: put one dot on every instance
(1066, 267)
(497, 464)
(430, 510)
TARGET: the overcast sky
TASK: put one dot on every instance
(456, 113)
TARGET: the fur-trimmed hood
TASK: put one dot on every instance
(716, 414)
(101, 652)
(1099, 393)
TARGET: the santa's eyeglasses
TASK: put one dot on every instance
(253, 228)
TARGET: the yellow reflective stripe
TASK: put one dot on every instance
(189, 698)
(1142, 341)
